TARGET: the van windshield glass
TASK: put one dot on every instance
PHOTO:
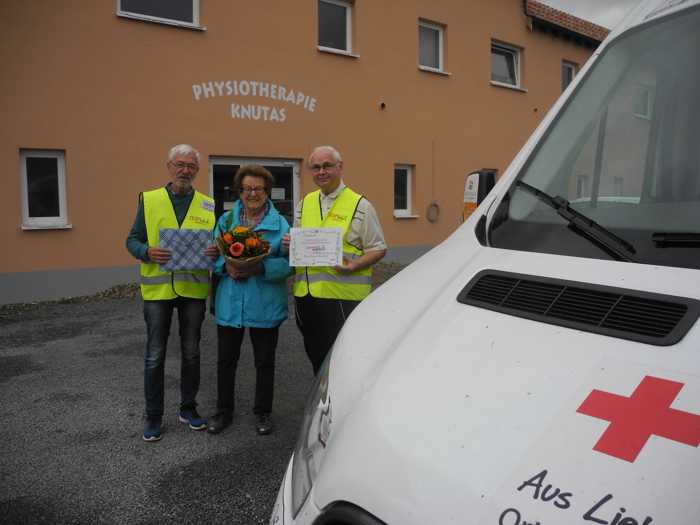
(624, 154)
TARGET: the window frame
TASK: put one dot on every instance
(441, 46)
(618, 186)
(649, 93)
(571, 66)
(583, 190)
(37, 223)
(516, 52)
(159, 20)
(408, 211)
(348, 27)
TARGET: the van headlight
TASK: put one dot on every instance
(311, 444)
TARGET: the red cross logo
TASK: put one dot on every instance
(634, 419)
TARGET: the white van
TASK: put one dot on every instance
(542, 365)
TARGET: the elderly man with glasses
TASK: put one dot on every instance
(325, 296)
(177, 205)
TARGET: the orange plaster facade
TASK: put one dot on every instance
(114, 94)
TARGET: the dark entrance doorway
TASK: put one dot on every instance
(283, 195)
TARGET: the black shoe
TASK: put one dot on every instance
(263, 424)
(219, 422)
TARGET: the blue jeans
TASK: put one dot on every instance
(158, 315)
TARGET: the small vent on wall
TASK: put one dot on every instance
(628, 314)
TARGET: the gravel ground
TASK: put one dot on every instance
(71, 381)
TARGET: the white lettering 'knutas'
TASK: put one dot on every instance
(253, 88)
(253, 112)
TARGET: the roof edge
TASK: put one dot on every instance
(550, 18)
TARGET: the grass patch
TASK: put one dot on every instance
(381, 273)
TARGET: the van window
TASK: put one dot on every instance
(618, 173)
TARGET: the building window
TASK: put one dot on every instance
(643, 101)
(505, 65)
(582, 187)
(617, 183)
(43, 189)
(568, 72)
(334, 25)
(179, 12)
(402, 190)
(430, 46)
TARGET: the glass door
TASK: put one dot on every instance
(284, 192)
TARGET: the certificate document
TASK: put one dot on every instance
(315, 246)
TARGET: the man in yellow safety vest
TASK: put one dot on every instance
(325, 296)
(175, 205)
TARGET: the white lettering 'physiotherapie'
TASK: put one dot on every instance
(253, 88)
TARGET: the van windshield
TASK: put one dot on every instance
(617, 176)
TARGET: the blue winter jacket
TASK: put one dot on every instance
(259, 301)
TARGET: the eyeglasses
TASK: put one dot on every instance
(182, 165)
(247, 190)
(325, 166)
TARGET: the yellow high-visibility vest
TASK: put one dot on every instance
(324, 282)
(158, 212)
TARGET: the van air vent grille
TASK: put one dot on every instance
(628, 314)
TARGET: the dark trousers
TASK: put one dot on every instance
(158, 316)
(229, 350)
(319, 321)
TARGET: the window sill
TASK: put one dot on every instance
(436, 71)
(174, 23)
(334, 51)
(26, 227)
(399, 215)
(507, 86)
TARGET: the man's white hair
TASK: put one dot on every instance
(334, 152)
(183, 149)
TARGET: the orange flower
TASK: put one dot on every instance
(227, 237)
(236, 249)
(252, 243)
(240, 229)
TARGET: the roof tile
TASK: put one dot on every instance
(560, 18)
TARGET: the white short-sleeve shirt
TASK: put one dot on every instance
(365, 232)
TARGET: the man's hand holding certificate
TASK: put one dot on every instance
(316, 247)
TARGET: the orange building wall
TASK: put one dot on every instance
(116, 94)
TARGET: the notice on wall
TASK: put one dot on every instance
(471, 194)
(277, 194)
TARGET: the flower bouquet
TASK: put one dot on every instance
(242, 247)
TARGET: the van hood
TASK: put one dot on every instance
(515, 420)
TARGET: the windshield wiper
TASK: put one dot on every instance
(585, 226)
(672, 239)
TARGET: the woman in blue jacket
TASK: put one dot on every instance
(254, 298)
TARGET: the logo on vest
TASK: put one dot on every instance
(198, 220)
(337, 217)
(209, 206)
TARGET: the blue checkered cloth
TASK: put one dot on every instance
(187, 248)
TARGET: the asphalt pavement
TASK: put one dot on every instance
(71, 384)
